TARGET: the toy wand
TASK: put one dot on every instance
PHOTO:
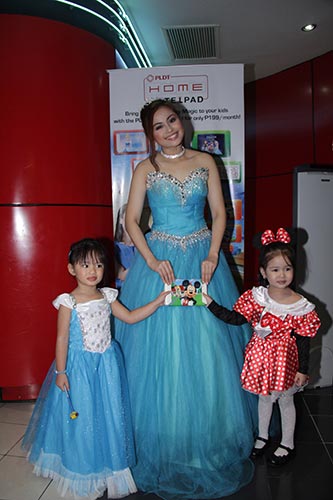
(74, 414)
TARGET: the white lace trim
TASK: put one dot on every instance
(299, 308)
(63, 300)
(66, 300)
(118, 483)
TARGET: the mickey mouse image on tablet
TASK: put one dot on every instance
(186, 292)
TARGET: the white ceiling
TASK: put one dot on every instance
(264, 35)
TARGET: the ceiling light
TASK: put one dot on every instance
(309, 27)
(118, 22)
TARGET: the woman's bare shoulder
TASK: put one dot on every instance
(143, 168)
(201, 159)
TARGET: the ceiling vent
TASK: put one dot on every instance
(193, 42)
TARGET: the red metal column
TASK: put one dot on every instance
(55, 180)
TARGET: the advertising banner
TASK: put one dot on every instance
(211, 103)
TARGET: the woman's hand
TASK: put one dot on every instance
(62, 381)
(301, 379)
(208, 267)
(164, 269)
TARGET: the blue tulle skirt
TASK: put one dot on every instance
(194, 426)
(93, 452)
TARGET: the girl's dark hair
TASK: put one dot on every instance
(86, 247)
(268, 252)
(147, 116)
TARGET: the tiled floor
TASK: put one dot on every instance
(309, 476)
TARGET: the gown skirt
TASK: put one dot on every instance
(93, 452)
(194, 425)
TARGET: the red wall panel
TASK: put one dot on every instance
(279, 137)
(274, 202)
(269, 206)
(284, 134)
(323, 108)
(56, 180)
(288, 123)
(54, 102)
(35, 253)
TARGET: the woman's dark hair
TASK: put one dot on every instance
(87, 247)
(268, 252)
(147, 117)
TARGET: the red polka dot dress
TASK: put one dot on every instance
(271, 359)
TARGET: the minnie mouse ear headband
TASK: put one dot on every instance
(267, 237)
(281, 235)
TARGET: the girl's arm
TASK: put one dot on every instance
(231, 317)
(305, 328)
(303, 349)
(133, 215)
(218, 212)
(64, 316)
(122, 313)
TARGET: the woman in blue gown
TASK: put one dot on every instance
(193, 424)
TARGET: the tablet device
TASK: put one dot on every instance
(186, 292)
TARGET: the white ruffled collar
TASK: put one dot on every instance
(299, 308)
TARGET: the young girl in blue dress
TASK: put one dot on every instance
(80, 432)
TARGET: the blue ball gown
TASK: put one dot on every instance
(194, 426)
(93, 452)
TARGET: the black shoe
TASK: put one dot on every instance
(282, 460)
(258, 452)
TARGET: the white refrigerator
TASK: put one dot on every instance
(313, 220)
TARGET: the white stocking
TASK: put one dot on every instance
(288, 422)
(265, 408)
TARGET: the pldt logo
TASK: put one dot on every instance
(180, 88)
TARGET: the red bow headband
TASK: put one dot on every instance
(268, 236)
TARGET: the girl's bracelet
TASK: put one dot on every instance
(60, 372)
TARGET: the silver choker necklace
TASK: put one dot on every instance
(173, 157)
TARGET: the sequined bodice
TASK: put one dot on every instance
(178, 207)
(91, 326)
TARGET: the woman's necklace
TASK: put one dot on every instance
(175, 156)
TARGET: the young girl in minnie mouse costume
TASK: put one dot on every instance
(277, 355)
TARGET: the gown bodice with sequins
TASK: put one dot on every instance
(177, 207)
(94, 332)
